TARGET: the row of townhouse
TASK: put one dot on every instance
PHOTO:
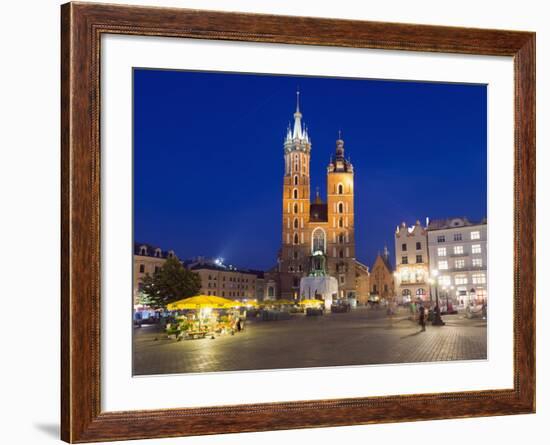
(447, 258)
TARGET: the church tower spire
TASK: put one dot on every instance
(298, 132)
(296, 205)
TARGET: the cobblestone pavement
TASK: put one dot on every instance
(356, 338)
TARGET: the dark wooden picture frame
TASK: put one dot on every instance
(82, 26)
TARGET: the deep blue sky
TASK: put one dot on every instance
(208, 154)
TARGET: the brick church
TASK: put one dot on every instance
(318, 237)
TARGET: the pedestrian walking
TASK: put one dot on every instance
(422, 317)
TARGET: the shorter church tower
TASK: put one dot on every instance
(341, 231)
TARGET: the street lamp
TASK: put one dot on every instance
(437, 321)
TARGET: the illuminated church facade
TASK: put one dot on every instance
(318, 237)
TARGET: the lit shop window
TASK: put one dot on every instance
(444, 280)
(474, 235)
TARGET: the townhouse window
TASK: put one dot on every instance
(474, 235)
(142, 268)
(418, 246)
(442, 265)
(157, 269)
(440, 238)
(457, 237)
(477, 262)
(461, 279)
(458, 250)
(444, 280)
(441, 251)
(404, 260)
(459, 264)
(419, 258)
(403, 247)
(476, 248)
(478, 278)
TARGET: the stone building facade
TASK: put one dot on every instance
(228, 283)
(147, 260)
(458, 251)
(412, 263)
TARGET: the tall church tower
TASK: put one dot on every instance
(341, 231)
(294, 253)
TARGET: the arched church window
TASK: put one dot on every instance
(340, 189)
(295, 192)
(341, 253)
(318, 240)
(340, 222)
(340, 207)
(296, 180)
(295, 223)
(341, 238)
(295, 208)
(296, 238)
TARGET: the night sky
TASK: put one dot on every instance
(208, 157)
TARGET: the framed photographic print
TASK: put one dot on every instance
(276, 222)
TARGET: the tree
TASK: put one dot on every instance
(170, 283)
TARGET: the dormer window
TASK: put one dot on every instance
(158, 252)
(143, 250)
(171, 254)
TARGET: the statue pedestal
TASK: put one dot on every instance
(319, 287)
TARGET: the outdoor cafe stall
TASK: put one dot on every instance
(205, 316)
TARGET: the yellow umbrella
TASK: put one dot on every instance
(250, 303)
(278, 302)
(202, 302)
(311, 302)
